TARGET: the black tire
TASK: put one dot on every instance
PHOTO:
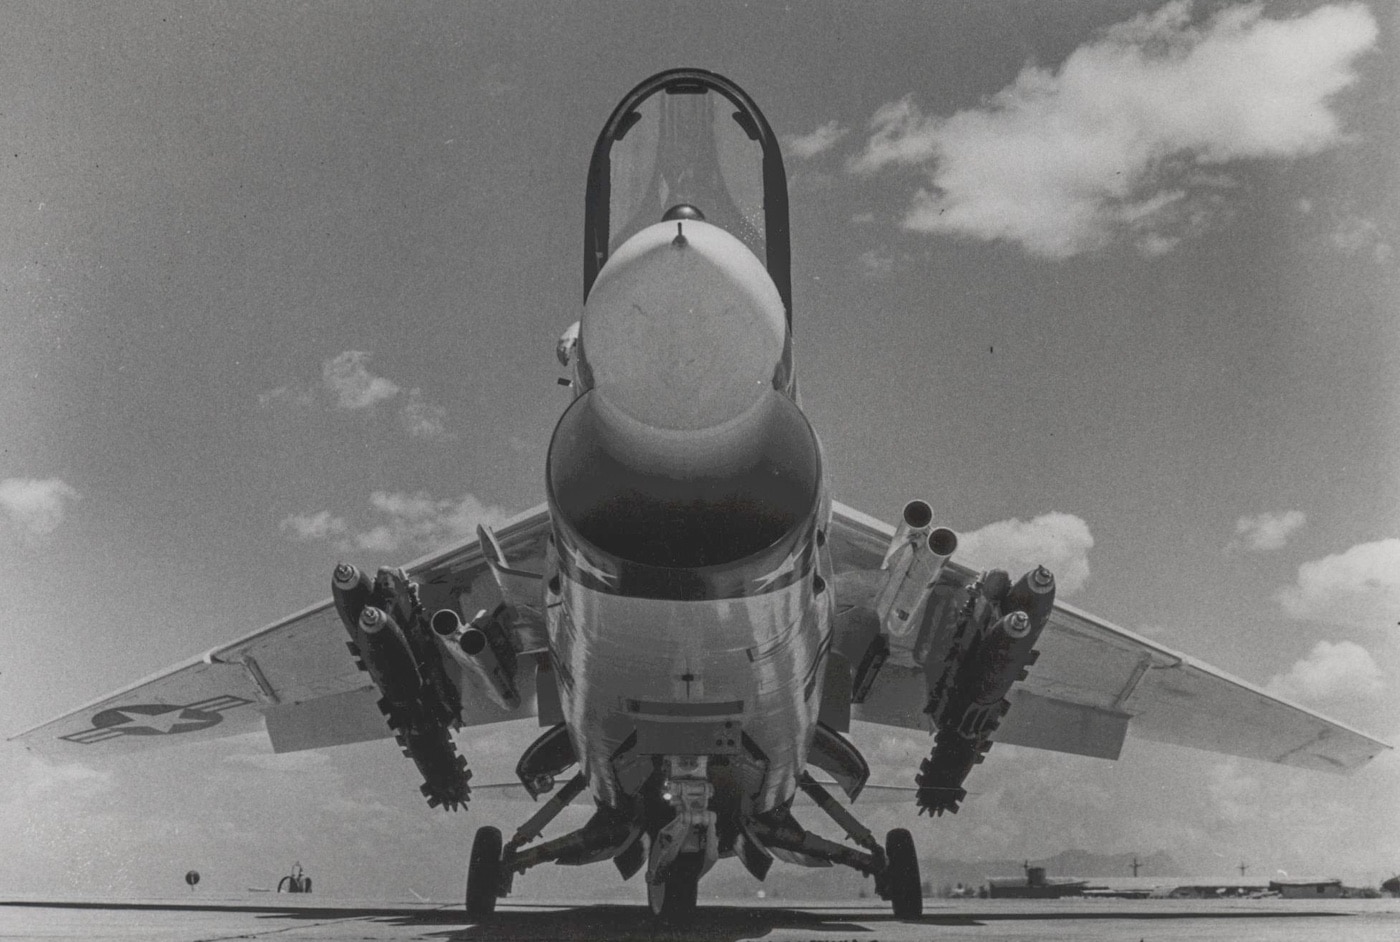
(674, 899)
(484, 872)
(906, 895)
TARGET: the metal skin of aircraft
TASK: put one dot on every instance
(690, 618)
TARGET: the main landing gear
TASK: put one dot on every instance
(901, 878)
(609, 834)
(895, 866)
(682, 850)
(484, 872)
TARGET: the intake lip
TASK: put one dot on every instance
(708, 525)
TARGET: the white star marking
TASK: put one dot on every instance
(161, 722)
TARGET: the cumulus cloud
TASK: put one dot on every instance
(348, 378)
(1058, 541)
(1357, 235)
(348, 385)
(399, 522)
(36, 507)
(317, 526)
(1127, 138)
(1331, 672)
(286, 395)
(1359, 587)
(36, 778)
(423, 419)
(806, 146)
(293, 763)
(1266, 531)
(876, 264)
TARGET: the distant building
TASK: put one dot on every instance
(1174, 888)
(1034, 885)
(1223, 889)
(1307, 889)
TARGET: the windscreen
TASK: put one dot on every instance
(686, 147)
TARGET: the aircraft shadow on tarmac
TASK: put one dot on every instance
(623, 922)
(732, 923)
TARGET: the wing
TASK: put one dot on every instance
(1095, 682)
(296, 678)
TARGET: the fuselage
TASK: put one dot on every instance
(686, 584)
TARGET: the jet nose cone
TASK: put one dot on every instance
(683, 340)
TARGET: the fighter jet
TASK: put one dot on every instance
(689, 617)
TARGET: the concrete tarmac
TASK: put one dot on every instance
(1269, 920)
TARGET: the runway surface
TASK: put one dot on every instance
(1268, 920)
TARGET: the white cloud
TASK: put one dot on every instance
(1357, 235)
(824, 138)
(1235, 793)
(286, 395)
(901, 135)
(35, 778)
(403, 522)
(1111, 145)
(348, 378)
(317, 526)
(422, 522)
(348, 385)
(423, 419)
(1330, 672)
(1266, 531)
(294, 763)
(1058, 541)
(1359, 587)
(35, 506)
(876, 264)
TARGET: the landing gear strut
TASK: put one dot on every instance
(687, 846)
(608, 834)
(895, 866)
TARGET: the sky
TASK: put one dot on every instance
(1113, 285)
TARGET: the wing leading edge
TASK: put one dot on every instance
(1095, 682)
(295, 677)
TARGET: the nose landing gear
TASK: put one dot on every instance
(686, 847)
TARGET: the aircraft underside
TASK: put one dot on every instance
(693, 725)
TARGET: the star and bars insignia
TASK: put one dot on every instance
(156, 719)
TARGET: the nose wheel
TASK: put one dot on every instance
(484, 872)
(673, 899)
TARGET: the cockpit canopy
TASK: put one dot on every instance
(681, 142)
